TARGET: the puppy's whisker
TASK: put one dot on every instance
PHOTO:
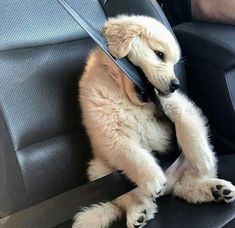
(184, 60)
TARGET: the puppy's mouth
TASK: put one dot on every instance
(158, 91)
(149, 84)
(162, 94)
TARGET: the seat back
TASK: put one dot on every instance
(43, 146)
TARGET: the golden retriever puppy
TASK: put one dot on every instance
(124, 127)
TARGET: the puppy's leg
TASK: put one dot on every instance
(197, 189)
(97, 168)
(97, 215)
(198, 183)
(138, 164)
(191, 133)
(139, 208)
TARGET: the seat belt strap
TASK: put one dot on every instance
(132, 72)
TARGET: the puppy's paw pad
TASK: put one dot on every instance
(224, 192)
(137, 219)
(216, 194)
(139, 215)
(141, 221)
(219, 186)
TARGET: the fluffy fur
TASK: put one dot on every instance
(124, 130)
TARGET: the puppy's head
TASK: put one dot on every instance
(148, 45)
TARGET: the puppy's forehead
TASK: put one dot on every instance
(161, 39)
(164, 42)
(158, 36)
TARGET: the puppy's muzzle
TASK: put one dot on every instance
(174, 85)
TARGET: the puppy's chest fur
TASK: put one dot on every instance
(107, 109)
(145, 128)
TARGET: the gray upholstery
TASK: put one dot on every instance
(177, 12)
(43, 151)
(33, 23)
(41, 123)
(212, 71)
(209, 38)
(43, 148)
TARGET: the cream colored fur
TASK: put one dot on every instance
(124, 130)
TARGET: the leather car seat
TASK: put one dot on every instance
(43, 146)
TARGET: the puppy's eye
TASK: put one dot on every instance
(160, 55)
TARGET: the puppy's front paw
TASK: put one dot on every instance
(139, 215)
(155, 186)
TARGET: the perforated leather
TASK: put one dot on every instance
(44, 149)
(40, 111)
(33, 23)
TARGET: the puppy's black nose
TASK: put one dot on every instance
(174, 85)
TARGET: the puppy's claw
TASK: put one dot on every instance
(140, 225)
(140, 219)
(144, 211)
(154, 199)
(136, 226)
(158, 193)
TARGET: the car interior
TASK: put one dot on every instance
(44, 148)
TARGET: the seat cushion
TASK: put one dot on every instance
(175, 213)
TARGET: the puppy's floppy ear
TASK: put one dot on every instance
(120, 37)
